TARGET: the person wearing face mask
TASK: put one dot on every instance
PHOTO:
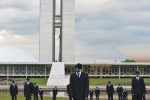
(110, 90)
(35, 91)
(97, 93)
(41, 93)
(55, 93)
(79, 84)
(28, 89)
(91, 94)
(138, 87)
(13, 90)
(125, 94)
(119, 92)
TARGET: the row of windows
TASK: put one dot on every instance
(22, 69)
(110, 70)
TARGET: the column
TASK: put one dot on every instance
(13, 69)
(101, 72)
(7, 73)
(26, 71)
(119, 72)
(45, 71)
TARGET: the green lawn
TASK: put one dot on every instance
(39, 81)
(93, 81)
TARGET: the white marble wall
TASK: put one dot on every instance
(46, 30)
(68, 30)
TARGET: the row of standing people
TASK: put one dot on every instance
(30, 89)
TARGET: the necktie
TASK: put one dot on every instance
(78, 76)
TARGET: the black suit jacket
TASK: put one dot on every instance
(79, 88)
(119, 90)
(138, 86)
(110, 89)
(125, 94)
(35, 89)
(68, 89)
(41, 92)
(97, 92)
(91, 93)
(13, 89)
(55, 92)
(28, 89)
(144, 89)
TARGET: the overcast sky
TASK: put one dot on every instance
(101, 27)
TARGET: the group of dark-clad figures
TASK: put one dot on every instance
(78, 88)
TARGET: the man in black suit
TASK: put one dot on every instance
(125, 94)
(28, 89)
(97, 93)
(13, 90)
(68, 91)
(35, 91)
(119, 92)
(91, 94)
(79, 84)
(41, 93)
(138, 87)
(55, 93)
(110, 90)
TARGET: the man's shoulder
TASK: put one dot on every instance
(83, 73)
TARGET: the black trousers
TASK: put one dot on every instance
(120, 97)
(35, 97)
(70, 98)
(28, 97)
(144, 97)
(41, 96)
(124, 98)
(138, 97)
(14, 97)
(110, 96)
(97, 97)
(54, 97)
(91, 97)
(133, 97)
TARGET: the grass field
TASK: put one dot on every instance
(93, 81)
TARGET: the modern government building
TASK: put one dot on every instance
(17, 63)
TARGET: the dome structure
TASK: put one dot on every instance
(12, 54)
(138, 53)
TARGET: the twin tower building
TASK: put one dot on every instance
(49, 21)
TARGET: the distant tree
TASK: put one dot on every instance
(128, 60)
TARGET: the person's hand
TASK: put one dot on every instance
(72, 98)
(133, 94)
(85, 98)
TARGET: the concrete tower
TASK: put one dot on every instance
(48, 22)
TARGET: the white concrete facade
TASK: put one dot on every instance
(57, 75)
(68, 30)
(48, 23)
(46, 30)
